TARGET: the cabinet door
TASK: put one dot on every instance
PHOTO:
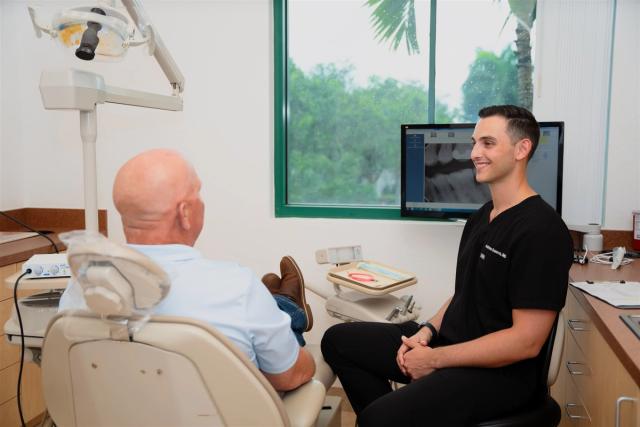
(609, 381)
(9, 414)
(627, 404)
(32, 401)
(6, 271)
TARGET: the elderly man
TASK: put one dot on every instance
(157, 194)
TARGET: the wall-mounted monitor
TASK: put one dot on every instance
(438, 176)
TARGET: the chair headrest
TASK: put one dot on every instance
(116, 280)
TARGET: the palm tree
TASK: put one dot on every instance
(395, 20)
(525, 13)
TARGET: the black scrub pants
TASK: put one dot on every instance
(363, 356)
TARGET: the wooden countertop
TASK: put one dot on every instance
(54, 220)
(616, 333)
(22, 250)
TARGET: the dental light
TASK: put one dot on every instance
(104, 33)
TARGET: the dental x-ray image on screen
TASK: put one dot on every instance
(438, 176)
(449, 175)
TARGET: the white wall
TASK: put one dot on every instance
(572, 85)
(224, 48)
(1, 97)
(623, 175)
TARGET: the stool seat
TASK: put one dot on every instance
(544, 413)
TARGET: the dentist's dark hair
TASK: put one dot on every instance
(521, 124)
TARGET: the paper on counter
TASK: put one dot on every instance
(620, 295)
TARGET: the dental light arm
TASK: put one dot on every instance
(104, 32)
(123, 28)
(156, 46)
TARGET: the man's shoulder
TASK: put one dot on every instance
(477, 216)
(224, 268)
(533, 222)
(195, 267)
(539, 215)
(540, 226)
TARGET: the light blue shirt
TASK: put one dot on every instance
(223, 294)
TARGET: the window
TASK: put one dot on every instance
(348, 73)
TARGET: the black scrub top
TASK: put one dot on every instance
(521, 259)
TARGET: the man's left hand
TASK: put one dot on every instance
(418, 360)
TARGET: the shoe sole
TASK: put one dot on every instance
(305, 306)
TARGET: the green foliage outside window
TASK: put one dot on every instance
(340, 134)
(490, 77)
(340, 143)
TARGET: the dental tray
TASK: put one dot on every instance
(371, 277)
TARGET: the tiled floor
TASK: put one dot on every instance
(348, 417)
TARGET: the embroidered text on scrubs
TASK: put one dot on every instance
(497, 252)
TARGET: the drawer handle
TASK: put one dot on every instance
(575, 371)
(573, 322)
(619, 404)
(568, 407)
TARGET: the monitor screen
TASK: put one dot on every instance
(438, 176)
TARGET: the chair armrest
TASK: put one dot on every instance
(324, 374)
(558, 349)
(303, 405)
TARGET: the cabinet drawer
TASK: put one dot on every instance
(9, 414)
(8, 382)
(9, 353)
(5, 272)
(32, 402)
(573, 309)
(574, 409)
(578, 322)
(577, 366)
(5, 312)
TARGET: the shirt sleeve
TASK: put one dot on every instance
(275, 346)
(539, 272)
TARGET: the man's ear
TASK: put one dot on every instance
(184, 215)
(523, 148)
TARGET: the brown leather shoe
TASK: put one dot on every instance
(272, 282)
(292, 286)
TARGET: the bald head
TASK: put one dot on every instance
(157, 194)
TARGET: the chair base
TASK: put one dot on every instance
(543, 414)
(331, 413)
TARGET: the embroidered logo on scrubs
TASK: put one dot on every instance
(495, 251)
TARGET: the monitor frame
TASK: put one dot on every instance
(463, 214)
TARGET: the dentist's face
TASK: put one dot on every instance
(494, 154)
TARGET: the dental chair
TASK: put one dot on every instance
(118, 366)
(543, 411)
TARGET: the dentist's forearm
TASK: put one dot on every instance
(521, 341)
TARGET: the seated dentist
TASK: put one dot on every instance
(157, 194)
(477, 358)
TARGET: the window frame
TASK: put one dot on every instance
(281, 119)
